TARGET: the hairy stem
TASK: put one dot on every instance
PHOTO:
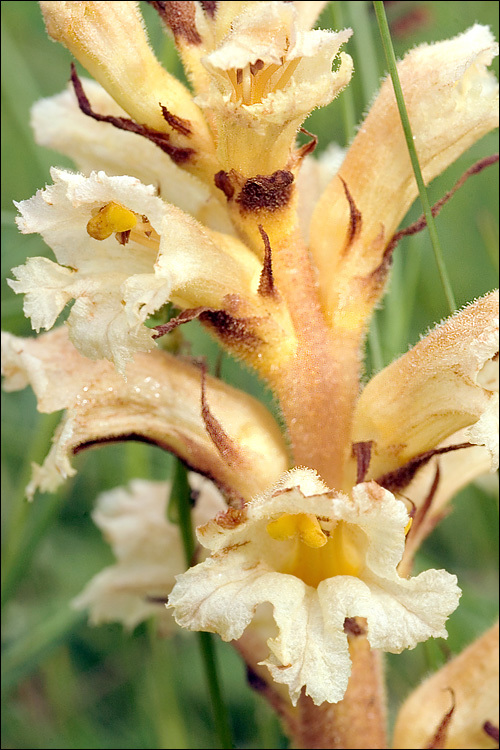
(358, 721)
(318, 386)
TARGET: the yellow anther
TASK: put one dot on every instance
(113, 217)
(408, 525)
(304, 525)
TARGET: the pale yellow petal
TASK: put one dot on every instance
(59, 124)
(110, 41)
(452, 101)
(469, 683)
(433, 391)
(267, 75)
(308, 585)
(167, 256)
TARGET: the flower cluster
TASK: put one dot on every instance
(204, 203)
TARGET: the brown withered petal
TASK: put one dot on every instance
(159, 402)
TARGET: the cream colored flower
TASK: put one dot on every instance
(447, 382)
(98, 272)
(318, 557)
(313, 556)
(123, 253)
(266, 76)
(452, 101)
(148, 550)
(109, 39)
(58, 123)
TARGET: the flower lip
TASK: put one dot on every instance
(292, 515)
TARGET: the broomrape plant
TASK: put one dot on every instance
(199, 204)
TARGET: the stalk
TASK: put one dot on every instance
(180, 495)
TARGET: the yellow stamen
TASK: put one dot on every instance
(408, 525)
(304, 525)
(113, 217)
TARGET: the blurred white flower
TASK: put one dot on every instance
(148, 550)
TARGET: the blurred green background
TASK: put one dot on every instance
(67, 685)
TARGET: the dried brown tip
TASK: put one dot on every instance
(223, 181)
(491, 730)
(309, 147)
(180, 18)
(184, 317)
(179, 124)
(397, 480)
(210, 7)
(438, 741)
(224, 444)
(269, 193)
(362, 452)
(234, 332)
(421, 222)
(420, 514)
(355, 220)
(266, 283)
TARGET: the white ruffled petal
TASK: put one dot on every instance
(122, 279)
(47, 290)
(270, 551)
(266, 75)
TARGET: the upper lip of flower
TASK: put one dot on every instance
(165, 256)
(262, 55)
